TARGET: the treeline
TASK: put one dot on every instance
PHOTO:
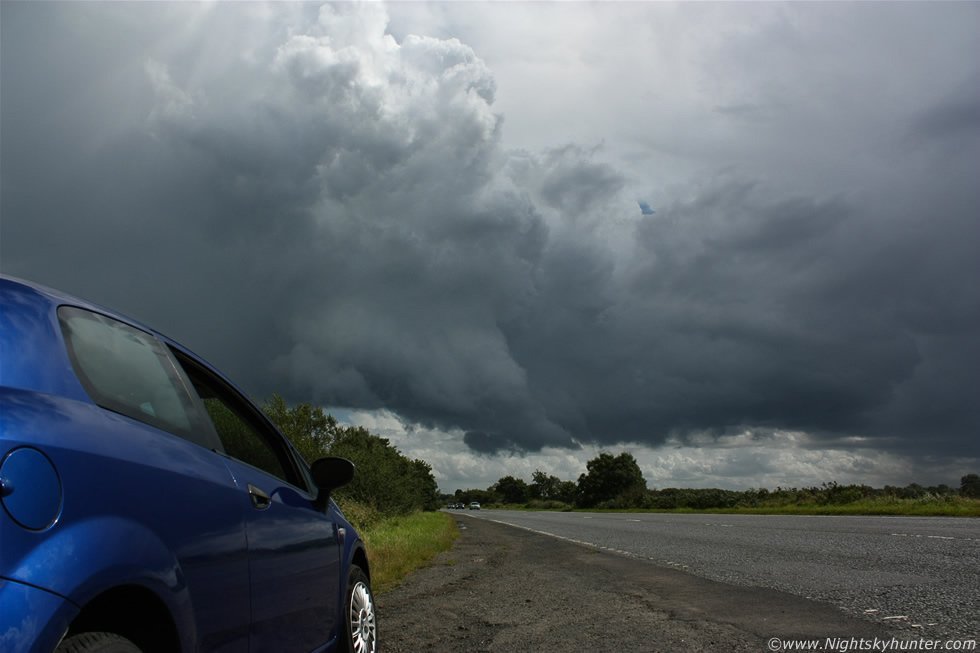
(616, 482)
(828, 494)
(386, 480)
(608, 478)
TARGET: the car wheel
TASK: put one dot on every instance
(360, 618)
(97, 643)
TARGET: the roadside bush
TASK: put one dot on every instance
(635, 498)
(696, 499)
(538, 504)
(970, 486)
(362, 516)
(385, 481)
(385, 478)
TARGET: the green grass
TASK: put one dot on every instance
(398, 546)
(952, 506)
(861, 508)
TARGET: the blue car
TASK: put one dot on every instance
(149, 505)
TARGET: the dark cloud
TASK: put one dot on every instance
(334, 215)
(485, 443)
(954, 117)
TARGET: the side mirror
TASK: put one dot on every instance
(329, 474)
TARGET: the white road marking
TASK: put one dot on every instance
(936, 537)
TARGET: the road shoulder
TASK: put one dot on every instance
(507, 589)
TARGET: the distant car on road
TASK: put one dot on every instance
(149, 505)
(475, 505)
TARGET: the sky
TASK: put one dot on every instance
(738, 240)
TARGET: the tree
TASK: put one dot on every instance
(310, 430)
(543, 486)
(511, 490)
(608, 477)
(425, 485)
(551, 488)
(483, 497)
(970, 486)
(385, 478)
(566, 492)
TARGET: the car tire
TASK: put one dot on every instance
(97, 643)
(360, 627)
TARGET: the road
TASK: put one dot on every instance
(509, 589)
(919, 574)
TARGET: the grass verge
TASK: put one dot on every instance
(398, 546)
(953, 506)
(879, 506)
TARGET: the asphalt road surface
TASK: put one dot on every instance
(684, 583)
(925, 569)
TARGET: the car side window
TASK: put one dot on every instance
(241, 440)
(246, 435)
(130, 372)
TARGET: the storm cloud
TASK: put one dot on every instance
(329, 207)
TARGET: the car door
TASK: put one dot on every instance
(293, 547)
(144, 482)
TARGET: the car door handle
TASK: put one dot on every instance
(260, 499)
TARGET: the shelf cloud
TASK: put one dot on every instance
(329, 207)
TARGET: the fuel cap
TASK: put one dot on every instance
(30, 489)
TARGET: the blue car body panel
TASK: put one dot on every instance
(115, 529)
(143, 508)
(32, 619)
(29, 335)
(294, 557)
